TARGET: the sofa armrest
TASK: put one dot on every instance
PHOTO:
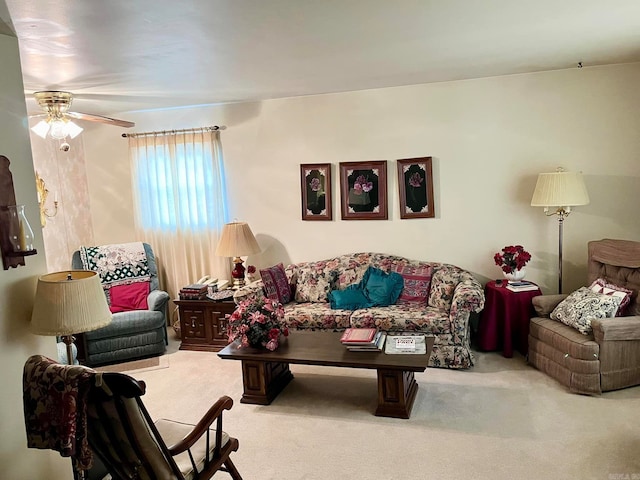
(617, 328)
(468, 296)
(544, 304)
(157, 300)
(251, 290)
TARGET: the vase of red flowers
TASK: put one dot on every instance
(257, 323)
(512, 260)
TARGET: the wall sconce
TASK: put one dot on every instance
(16, 236)
(43, 193)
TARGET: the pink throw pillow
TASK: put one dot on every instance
(129, 297)
(603, 287)
(417, 282)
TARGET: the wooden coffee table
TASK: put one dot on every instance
(265, 374)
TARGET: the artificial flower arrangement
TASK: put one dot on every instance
(257, 322)
(512, 258)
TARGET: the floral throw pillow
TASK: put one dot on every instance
(314, 285)
(603, 287)
(583, 305)
(276, 283)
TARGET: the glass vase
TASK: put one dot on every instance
(20, 232)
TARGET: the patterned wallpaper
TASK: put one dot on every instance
(65, 177)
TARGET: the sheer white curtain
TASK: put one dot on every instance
(180, 203)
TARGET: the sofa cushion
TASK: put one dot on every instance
(382, 289)
(581, 306)
(124, 298)
(276, 283)
(315, 281)
(315, 315)
(401, 317)
(417, 283)
(601, 286)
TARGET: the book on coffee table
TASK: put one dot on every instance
(405, 344)
(359, 336)
(377, 346)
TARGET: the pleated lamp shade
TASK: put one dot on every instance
(560, 189)
(237, 240)
(69, 302)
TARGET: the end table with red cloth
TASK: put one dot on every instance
(504, 322)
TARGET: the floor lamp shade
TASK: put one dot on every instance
(560, 189)
(69, 302)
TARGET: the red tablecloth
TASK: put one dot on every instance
(504, 322)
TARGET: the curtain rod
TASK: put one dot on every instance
(169, 132)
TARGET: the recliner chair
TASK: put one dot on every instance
(132, 334)
(608, 358)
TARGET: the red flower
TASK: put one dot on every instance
(512, 258)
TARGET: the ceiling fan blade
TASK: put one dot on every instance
(99, 118)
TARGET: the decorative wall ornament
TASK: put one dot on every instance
(43, 194)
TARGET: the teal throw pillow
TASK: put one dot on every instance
(382, 289)
(349, 299)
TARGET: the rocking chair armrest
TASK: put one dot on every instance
(214, 413)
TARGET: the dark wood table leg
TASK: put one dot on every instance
(263, 381)
(396, 393)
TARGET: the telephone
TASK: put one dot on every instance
(207, 280)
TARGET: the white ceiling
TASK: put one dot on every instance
(123, 55)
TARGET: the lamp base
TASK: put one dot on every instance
(68, 341)
(238, 273)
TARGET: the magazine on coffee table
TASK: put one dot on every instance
(405, 344)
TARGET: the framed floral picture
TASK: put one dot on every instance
(363, 190)
(415, 183)
(315, 187)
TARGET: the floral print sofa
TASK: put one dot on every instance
(453, 295)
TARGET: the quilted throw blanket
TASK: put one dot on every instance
(118, 264)
(54, 398)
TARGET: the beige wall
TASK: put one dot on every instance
(489, 139)
(17, 287)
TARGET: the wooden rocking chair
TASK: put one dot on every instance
(131, 446)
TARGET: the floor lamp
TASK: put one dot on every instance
(69, 302)
(561, 190)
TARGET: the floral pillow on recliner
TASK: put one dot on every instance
(583, 305)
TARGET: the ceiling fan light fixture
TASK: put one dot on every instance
(73, 130)
(41, 128)
(57, 128)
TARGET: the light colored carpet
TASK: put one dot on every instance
(137, 366)
(501, 419)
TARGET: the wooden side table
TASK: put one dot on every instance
(203, 323)
(504, 322)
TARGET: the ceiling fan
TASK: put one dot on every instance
(57, 123)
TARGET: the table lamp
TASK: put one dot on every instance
(237, 240)
(562, 190)
(69, 302)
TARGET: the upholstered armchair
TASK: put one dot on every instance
(133, 333)
(608, 358)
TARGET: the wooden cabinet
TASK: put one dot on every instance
(203, 325)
